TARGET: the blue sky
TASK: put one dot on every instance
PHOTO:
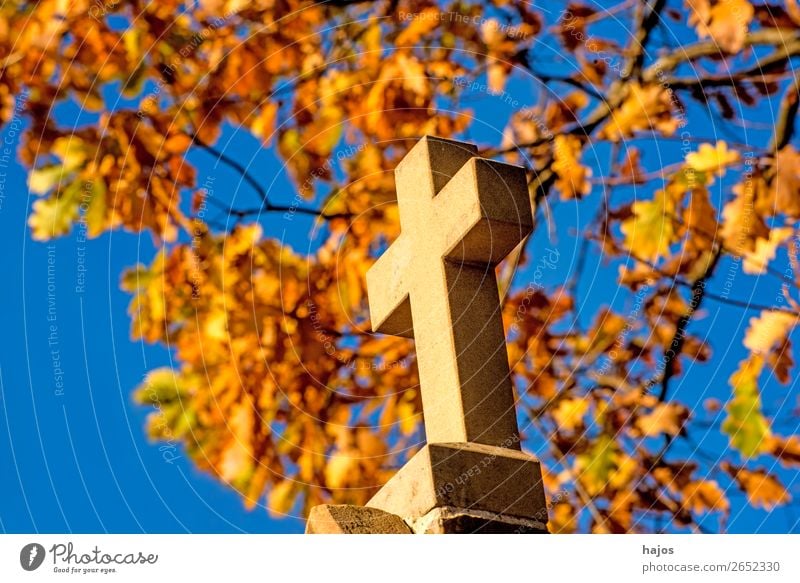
(80, 461)
(76, 458)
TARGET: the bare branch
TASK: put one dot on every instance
(784, 124)
(268, 206)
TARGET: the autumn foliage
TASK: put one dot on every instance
(280, 390)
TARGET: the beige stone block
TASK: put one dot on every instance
(450, 520)
(348, 519)
(467, 476)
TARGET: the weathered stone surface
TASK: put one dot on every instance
(469, 476)
(348, 519)
(449, 520)
(460, 215)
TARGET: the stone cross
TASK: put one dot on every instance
(460, 215)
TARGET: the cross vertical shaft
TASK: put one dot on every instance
(460, 215)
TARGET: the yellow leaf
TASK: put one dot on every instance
(745, 424)
(726, 22)
(741, 226)
(562, 519)
(594, 468)
(42, 180)
(624, 471)
(52, 217)
(569, 413)
(339, 468)
(281, 498)
(423, 22)
(496, 74)
(215, 325)
(650, 231)
(666, 418)
(644, 108)
(264, 124)
(96, 212)
(756, 261)
(72, 151)
(605, 333)
(160, 386)
(407, 416)
(768, 331)
(237, 458)
(710, 158)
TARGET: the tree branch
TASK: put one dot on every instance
(672, 353)
(260, 191)
(753, 73)
(784, 125)
(670, 62)
(649, 16)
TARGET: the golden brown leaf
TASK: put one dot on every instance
(646, 107)
(786, 449)
(726, 22)
(569, 413)
(763, 489)
(768, 331)
(573, 177)
(666, 418)
(705, 496)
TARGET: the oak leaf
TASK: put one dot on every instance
(742, 225)
(786, 449)
(768, 331)
(756, 261)
(705, 496)
(763, 489)
(650, 231)
(724, 21)
(569, 413)
(573, 177)
(786, 185)
(712, 159)
(745, 424)
(52, 217)
(647, 107)
(665, 418)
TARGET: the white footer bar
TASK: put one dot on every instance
(400, 558)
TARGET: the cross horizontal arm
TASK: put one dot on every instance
(487, 209)
(388, 284)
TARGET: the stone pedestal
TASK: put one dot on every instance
(467, 487)
(449, 488)
(461, 521)
(348, 519)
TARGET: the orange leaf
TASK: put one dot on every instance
(762, 489)
(786, 449)
(573, 178)
(705, 496)
(666, 418)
